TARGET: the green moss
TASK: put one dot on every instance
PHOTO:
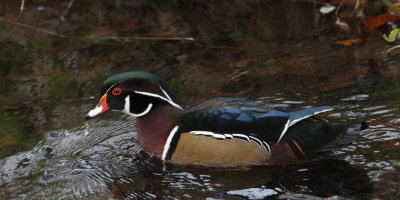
(14, 135)
(179, 86)
(12, 57)
(2, 30)
(3, 84)
(42, 44)
(261, 62)
(236, 36)
(58, 83)
(92, 86)
(386, 94)
(38, 2)
(169, 4)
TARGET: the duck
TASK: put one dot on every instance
(221, 131)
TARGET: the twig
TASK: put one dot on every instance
(171, 21)
(390, 49)
(91, 36)
(309, 1)
(220, 47)
(67, 9)
(22, 6)
(32, 27)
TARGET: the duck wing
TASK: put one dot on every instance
(264, 123)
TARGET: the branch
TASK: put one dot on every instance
(91, 37)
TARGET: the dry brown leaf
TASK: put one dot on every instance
(350, 42)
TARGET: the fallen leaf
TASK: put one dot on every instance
(350, 42)
(372, 23)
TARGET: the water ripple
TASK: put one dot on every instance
(253, 193)
(102, 160)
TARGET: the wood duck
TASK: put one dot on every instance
(221, 131)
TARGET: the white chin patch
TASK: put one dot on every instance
(128, 106)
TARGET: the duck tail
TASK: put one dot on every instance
(309, 138)
(350, 131)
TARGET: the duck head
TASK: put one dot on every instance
(135, 93)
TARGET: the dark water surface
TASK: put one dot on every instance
(101, 159)
(279, 52)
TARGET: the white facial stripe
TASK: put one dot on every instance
(166, 94)
(127, 108)
(160, 97)
(111, 87)
(168, 142)
(144, 112)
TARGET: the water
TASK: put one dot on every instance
(281, 52)
(101, 159)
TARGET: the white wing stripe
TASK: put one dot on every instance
(284, 130)
(315, 113)
(291, 123)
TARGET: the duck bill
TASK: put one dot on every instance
(101, 107)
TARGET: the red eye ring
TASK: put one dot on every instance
(116, 91)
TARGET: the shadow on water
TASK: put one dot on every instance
(324, 178)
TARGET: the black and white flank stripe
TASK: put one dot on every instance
(232, 136)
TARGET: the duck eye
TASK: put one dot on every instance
(116, 91)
